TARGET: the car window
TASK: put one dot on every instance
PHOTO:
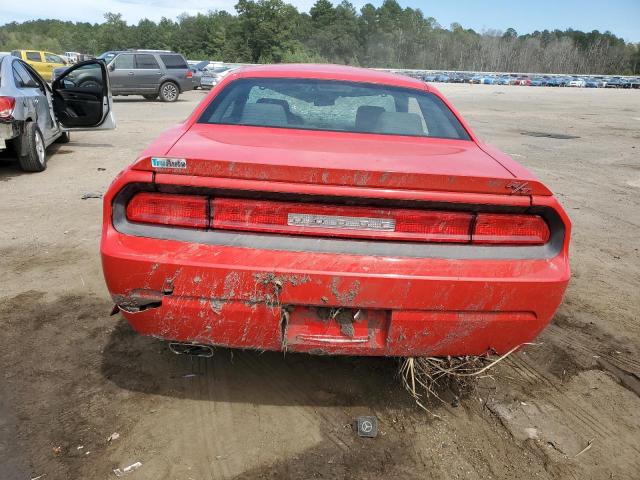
(173, 61)
(333, 106)
(34, 56)
(17, 79)
(146, 61)
(87, 77)
(124, 62)
(107, 56)
(52, 58)
(342, 115)
(24, 78)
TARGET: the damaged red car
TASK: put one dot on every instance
(332, 210)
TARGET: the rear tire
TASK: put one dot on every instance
(150, 97)
(169, 92)
(33, 156)
(64, 138)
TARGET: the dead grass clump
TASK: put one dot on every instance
(426, 378)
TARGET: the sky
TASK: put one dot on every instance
(621, 17)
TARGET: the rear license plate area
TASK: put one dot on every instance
(336, 330)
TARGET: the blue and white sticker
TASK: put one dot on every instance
(157, 162)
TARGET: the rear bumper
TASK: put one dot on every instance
(207, 82)
(186, 84)
(274, 300)
(8, 131)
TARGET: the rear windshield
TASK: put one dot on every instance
(174, 61)
(333, 106)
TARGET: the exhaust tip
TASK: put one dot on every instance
(194, 350)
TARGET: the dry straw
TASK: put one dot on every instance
(424, 377)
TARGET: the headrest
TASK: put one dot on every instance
(265, 114)
(366, 117)
(399, 123)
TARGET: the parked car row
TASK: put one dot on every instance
(600, 81)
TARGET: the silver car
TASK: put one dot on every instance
(212, 76)
(34, 115)
(197, 69)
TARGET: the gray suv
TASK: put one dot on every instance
(151, 74)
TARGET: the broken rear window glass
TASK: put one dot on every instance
(333, 106)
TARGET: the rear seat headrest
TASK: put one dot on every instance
(267, 114)
(366, 117)
(399, 123)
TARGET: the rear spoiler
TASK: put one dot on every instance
(324, 177)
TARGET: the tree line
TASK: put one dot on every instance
(389, 36)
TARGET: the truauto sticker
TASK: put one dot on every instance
(168, 162)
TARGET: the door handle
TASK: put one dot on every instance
(130, 73)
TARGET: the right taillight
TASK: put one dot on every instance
(494, 228)
(7, 104)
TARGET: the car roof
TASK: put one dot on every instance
(329, 72)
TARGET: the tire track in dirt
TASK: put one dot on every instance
(555, 395)
(220, 412)
(590, 346)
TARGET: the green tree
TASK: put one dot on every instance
(384, 36)
(264, 29)
(114, 33)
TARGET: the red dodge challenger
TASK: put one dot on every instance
(333, 210)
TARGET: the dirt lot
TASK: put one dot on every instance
(72, 375)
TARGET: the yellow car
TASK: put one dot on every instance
(42, 62)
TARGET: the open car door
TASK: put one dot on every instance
(82, 98)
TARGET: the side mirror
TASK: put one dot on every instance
(112, 66)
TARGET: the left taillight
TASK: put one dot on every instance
(165, 209)
(7, 105)
(189, 74)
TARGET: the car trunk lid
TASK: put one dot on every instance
(337, 159)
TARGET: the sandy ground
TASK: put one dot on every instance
(71, 375)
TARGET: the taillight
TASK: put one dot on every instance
(7, 104)
(189, 74)
(163, 209)
(339, 221)
(510, 229)
(292, 218)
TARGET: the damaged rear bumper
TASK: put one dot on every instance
(330, 304)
